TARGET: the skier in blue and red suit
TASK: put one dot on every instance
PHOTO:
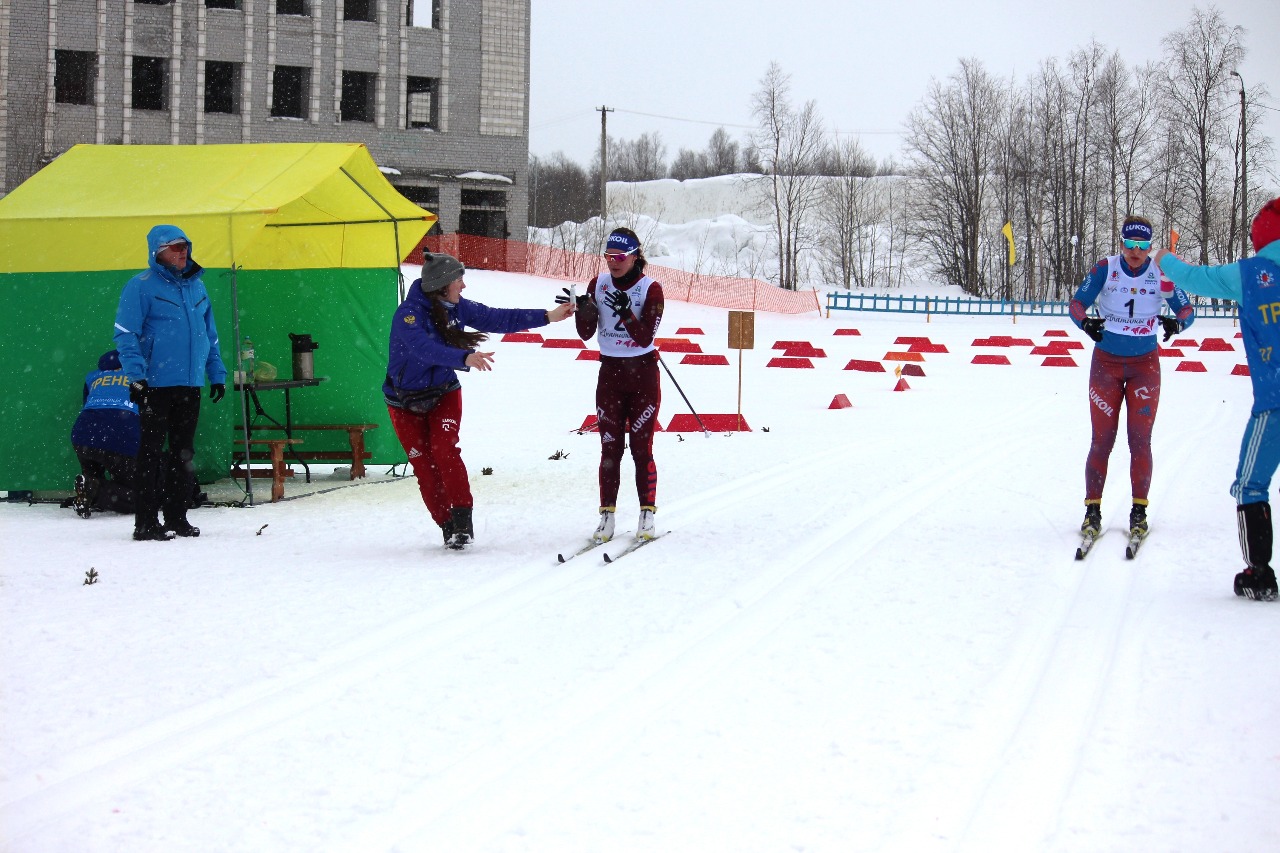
(1254, 283)
(622, 308)
(1126, 363)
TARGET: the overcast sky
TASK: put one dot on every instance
(682, 68)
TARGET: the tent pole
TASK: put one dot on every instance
(395, 227)
(243, 396)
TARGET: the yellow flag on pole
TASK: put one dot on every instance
(1007, 231)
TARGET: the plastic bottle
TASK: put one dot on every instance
(247, 360)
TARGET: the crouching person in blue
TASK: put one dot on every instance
(429, 344)
(105, 439)
(1254, 283)
(168, 344)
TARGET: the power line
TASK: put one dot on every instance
(752, 126)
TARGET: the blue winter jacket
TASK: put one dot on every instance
(418, 356)
(109, 420)
(164, 326)
(1255, 284)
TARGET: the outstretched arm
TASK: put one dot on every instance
(1217, 282)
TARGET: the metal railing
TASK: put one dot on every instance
(916, 304)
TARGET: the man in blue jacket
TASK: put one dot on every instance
(1254, 283)
(105, 439)
(168, 344)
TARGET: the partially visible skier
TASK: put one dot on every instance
(1254, 283)
(1126, 364)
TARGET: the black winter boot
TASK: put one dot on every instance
(1092, 524)
(1258, 580)
(83, 501)
(447, 530)
(150, 531)
(460, 520)
(1138, 520)
(175, 521)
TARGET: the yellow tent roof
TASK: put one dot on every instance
(259, 206)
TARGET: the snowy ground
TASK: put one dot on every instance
(864, 631)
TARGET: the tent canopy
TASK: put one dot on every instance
(259, 206)
(304, 238)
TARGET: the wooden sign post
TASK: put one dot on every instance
(742, 335)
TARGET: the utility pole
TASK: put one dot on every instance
(604, 158)
(1244, 172)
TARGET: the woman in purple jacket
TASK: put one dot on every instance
(429, 344)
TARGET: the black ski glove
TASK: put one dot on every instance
(1171, 327)
(217, 391)
(138, 392)
(620, 303)
(582, 299)
(1092, 327)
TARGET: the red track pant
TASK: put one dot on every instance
(1135, 381)
(431, 441)
(628, 394)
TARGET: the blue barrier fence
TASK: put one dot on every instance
(915, 304)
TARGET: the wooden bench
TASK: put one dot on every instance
(355, 438)
(275, 452)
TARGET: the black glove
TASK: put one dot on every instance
(138, 392)
(582, 299)
(1171, 327)
(1092, 327)
(620, 303)
(217, 391)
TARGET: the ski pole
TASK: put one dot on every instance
(705, 431)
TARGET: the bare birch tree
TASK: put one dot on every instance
(788, 142)
(1200, 58)
(950, 142)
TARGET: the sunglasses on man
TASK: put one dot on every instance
(1137, 244)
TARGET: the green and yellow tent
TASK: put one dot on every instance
(303, 238)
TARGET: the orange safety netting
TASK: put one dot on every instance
(741, 294)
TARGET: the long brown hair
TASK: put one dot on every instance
(454, 336)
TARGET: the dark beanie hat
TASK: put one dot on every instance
(1266, 225)
(439, 271)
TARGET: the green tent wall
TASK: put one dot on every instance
(56, 323)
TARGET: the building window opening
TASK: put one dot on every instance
(222, 87)
(292, 7)
(222, 4)
(358, 10)
(75, 72)
(150, 83)
(423, 13)
(357, 95)
(421, 99)
(484, 214)
(153, 2)
(289, 92)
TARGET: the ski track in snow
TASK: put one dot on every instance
(1043, 706)
(485, 788)
(591, 725)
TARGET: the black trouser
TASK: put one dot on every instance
(166, 479)
(115, 494)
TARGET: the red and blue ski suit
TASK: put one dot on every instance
(1126, 365)
(628, 387)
